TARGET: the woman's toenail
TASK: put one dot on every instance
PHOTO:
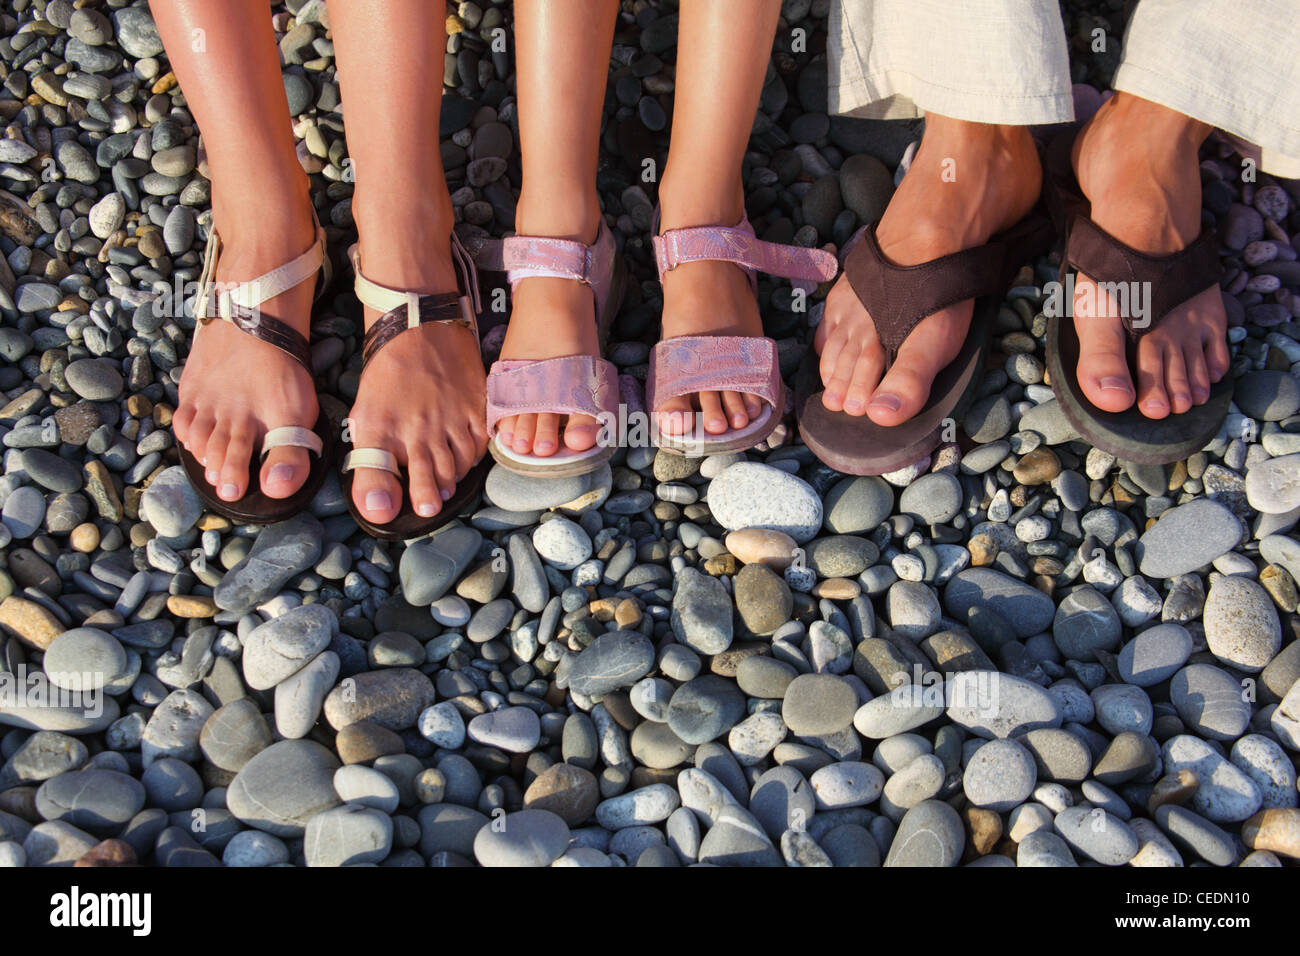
(426, 509)
(1114, 385)
(545, 445)
(281, 473)
(738, 421)
(884, 400)
(229, 491)
(378, 501)
(853, 405)
(444, 494)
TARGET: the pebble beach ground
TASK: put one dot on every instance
(670, 661)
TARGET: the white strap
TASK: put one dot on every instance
(249, 295)
(375, 458)
(291, 436)
(381, 298)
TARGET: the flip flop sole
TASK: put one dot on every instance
(1129, 435)
(255, 507)
(856, 445)
(408, 524)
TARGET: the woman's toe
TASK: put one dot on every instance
(376, 495)
(546, 438)
(715, 419)
(506, 431)
(234, 468)
(733, 403)
(284, 471)
(1152, 398)
(675, 416)
(425, 497)
(525, 427)
(581, 432)
(214, 456)
(1177, 386)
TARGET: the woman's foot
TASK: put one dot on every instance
(968, 182)
(235, 388)
(552, 318)
(421, 395)
(1137, 163)
(706, 298)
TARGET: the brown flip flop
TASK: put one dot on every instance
(898, 298)
(404, 311)
(1170, 280)
(240, 304)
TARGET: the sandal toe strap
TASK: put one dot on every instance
(713, 363)
(292, 436)
(375, 458)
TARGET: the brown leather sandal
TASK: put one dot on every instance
(898, 298)
(404, 311)
(241, 306)
(1171, 281)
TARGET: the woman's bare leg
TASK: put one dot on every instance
(234, 387)
(722, 55)
(561, 62)
(421, 397)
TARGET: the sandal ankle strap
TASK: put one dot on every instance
(738, 244)
(405, 310)
(240, 303)
(526, 257)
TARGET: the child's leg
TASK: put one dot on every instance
(722, 57)
(561, 62)
(234, 388)
(392, 90)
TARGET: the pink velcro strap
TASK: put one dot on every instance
(713, 363)
(570, 385)
(523, 257)
(739, 245)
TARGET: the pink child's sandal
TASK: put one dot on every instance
(715, 363)
(570, 384)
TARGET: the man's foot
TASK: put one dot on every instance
(1137, 163)
(550, 318)
(968, 182)
(235, 388)
(421, 396)
(707, 298)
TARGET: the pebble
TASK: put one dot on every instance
(750, 495)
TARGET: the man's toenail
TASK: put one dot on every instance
(444, 494)
(426, 510)
(378, 501)
(229, 490)
(1115, 385)
(886, 401)
(281, 473)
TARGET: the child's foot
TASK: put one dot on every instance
(421, 395)
(235, 388)
(968, 182)
(1137, 162)
(550, 318)
(707, 298)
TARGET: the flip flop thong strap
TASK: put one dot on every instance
(738, 244)
(1163, 282)
(713, 363)
(240, 303)
(375, 458)
(409, 310)
(569, 385)
(292, 436)
(898, 297)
